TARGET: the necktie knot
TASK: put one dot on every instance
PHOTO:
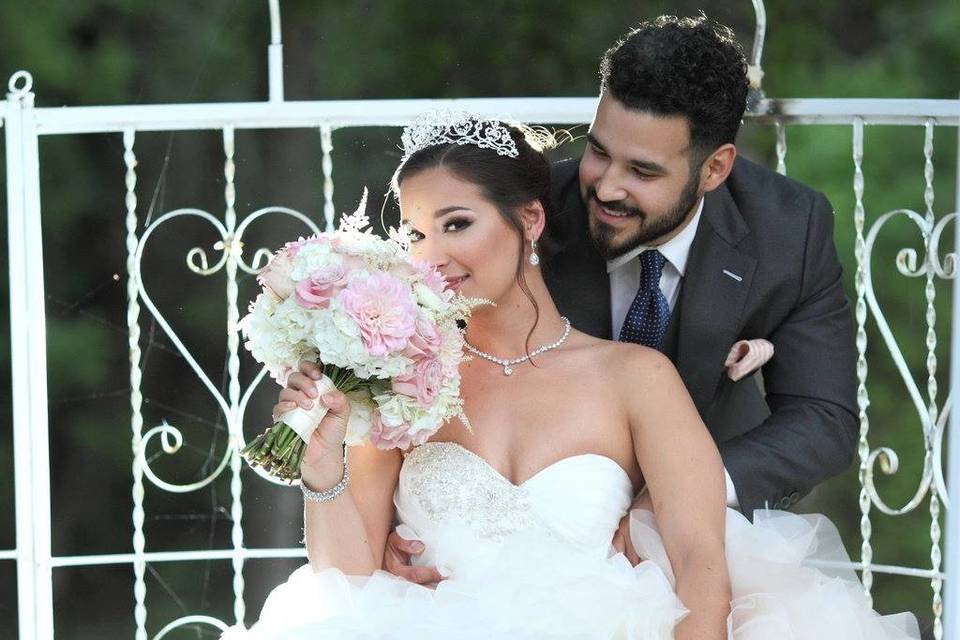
(649, 314)
(651, 264)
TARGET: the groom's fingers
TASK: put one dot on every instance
(420, 575)
(412, 547)
(622, 543)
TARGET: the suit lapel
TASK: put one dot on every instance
(577, 276)
(715, 287)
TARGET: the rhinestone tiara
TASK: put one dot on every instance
(457, 127)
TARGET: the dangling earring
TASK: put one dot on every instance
(534, 259)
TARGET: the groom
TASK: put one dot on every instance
(666, 237)
(733, 251)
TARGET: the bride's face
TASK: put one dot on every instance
(457, 229)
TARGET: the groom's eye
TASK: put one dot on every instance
(597, 150)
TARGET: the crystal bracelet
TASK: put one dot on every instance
(333, 492)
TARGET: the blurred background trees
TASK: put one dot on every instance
(89, 52)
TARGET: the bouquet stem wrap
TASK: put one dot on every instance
(279, 449)
(304, 421)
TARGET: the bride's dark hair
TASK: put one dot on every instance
(508, 183)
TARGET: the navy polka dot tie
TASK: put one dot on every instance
(649, 313)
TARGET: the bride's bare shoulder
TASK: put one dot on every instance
(620, 359)
(617, 358)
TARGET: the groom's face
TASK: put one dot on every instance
(636, 178)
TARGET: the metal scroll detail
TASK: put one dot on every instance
(230, 247)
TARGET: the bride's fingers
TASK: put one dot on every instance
(332, 430)
(297, 397)
(281, 408)
(302, 382)
(311, 369)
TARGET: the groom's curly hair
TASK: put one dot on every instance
(693, 67)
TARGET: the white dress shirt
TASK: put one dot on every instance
(624, 274)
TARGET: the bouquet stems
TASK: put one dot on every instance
(279, 449)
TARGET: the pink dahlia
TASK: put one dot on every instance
(385, 311)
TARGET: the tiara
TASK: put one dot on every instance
(457, 127)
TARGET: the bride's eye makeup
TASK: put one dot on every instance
(415, 236)
(455, 224)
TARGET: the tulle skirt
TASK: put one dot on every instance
(526, 587)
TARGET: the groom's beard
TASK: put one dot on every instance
(651, 228)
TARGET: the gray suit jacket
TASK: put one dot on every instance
(776, 236)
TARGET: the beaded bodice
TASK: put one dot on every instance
(579, 499)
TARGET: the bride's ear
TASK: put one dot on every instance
(533, 218)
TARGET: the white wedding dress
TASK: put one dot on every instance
(535, 561)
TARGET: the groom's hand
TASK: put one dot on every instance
(396, 560)
(621, 539)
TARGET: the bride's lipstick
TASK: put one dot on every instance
(456, 283)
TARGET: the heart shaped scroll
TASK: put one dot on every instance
(231, 246)
(932, 430)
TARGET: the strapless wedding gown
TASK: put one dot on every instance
(534, 561)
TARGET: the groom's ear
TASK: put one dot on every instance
(717, 167)
(533, 218)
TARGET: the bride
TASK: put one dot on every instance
(518, 513)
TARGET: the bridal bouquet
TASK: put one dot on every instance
(384, 326)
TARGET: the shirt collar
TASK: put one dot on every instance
(676, 250)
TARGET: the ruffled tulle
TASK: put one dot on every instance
(784, 580)
(533, 561)
(527, 587)
(521, 588)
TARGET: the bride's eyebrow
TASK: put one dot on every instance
(444, 211)
(440, 212)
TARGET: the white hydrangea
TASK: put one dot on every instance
(361, 417)
(313, 256)
(277, 332)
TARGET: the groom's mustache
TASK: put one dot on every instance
(617, 206)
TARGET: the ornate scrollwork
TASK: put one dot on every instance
(231, 246)
(933, 424)
(188, 620)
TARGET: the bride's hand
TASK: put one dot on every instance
(301, 389)
(621, 539)
(322, 465)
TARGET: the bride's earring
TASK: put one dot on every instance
(534, 259)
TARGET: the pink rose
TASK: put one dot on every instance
(276, 275)
(423, 383)
(385, 437)
(385, 312)
(425, 343)
(324, 283)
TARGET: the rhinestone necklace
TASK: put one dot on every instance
(509, 364)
